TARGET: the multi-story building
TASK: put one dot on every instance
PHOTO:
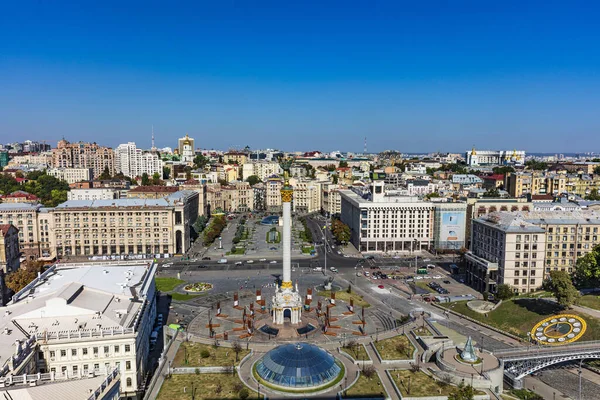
(260, 194)
(380, 223)
(93, 194)
(151, 192)
(80, 321)
(124, 226)
(505, 249)
(200, 188)
(538, 183)
(262, 169)
(71, 175)
(185, 146)
(27, 219)
(19, 197)
(331, 198)
(420, 187)
(4, 159)
(273, 187)
(307, 196)
(83, 155)
(494, 158)
(43, 159)
(235, 157)
(133, 162)
(235, 197)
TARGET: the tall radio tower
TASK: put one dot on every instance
(365, 149)
(153, 146)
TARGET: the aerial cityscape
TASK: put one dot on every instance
(324, 201)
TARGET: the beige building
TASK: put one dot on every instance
(235, 157)
(151, 192)
(83, 155)
(477, 208)
(124, 226)
(538, 183)
(235, 197)
(331, 199)
(200, 188)
(19, 197)
(9, 248)
(93, 194)
(307, 196)
(262, 169)
(273, 194)
(32, 226)
(71, 175)
(44, 159)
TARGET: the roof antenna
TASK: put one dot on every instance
(153, 147)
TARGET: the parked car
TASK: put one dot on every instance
(273, 262)
(262, 259)
(447, 282)
(239, 263)
(430, 266)
(206, 258)
(222, 261)
(332, 269)
(437, 277)
(250, 262)
(381, 287)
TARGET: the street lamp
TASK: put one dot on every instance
(580, 362)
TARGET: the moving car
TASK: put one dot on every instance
(333, 269)
(380, 286)
(206, 258)
(431, 266)
(250, 262)
(222, 261)
(262, 259)
(239, 263)
(273, 262)
(447, 282)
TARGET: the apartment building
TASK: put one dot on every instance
(506, 249)
(479, 207)
(80, 321)
(331, 198)
(307, 196)
(151, 192)
(83, 155)
(262, 169)
(71, 175)
(124, 226)
(235, 197)
(30, 222)
(273, 187)
(19, 197)
(235, 157)
(381, 223)
(200, 188)
(133, 162)
(93, 194)
(43, 159)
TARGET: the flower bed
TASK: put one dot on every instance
(198, 287)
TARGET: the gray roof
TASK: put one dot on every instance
(530, 221)
(167, 201)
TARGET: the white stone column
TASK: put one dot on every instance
(287, 239)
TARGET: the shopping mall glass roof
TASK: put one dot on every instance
(298, 366)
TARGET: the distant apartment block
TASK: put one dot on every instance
(83, 155)
(494, 158)
(93, 194)
(71, 175)
(133, 162)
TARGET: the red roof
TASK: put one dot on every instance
(19, 180)
(4, 228)
(495, 177)
(20, 194)
(542, 197)
(155, 189)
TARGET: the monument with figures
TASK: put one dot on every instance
(287, 303)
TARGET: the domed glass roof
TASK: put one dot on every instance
(297, 366)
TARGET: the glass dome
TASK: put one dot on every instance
(298, 366)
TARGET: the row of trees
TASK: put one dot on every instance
(340, 231)
(50, 190)
(214, 229)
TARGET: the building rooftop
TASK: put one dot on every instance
(530, 220)
(154, 189)
(71, 389)
(173, 199)
(18, 206)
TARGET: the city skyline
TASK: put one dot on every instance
(305, 77)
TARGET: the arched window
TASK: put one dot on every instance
(128, 382)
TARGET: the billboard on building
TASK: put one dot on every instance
(451, 232)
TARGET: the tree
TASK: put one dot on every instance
(597, 169)
(334, 179)
(503, 170)
(253, 180)
(105, 175)
(50, 190)
(587, 269)
(18, 279)
(593, 195)
(8, 184)
(145, 179)
(492, 193)
(244, 393)
(536, 165)
(504, 292)
(166, 172)
(369, 371)
(200, 161)
(341, 231)
(462, 393)
(560, 284)
(156, 179)
(237, 348)
(343, 164)
(432, 195)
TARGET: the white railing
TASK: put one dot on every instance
(83, 334)
(106, 383)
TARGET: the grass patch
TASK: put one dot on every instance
(217, 356)
(167, 284)
(183, 296)
(276, 234)
(237, 251)
(423, 331)
(423, 285)
(518, 316)
(206, 385)
(345, 296)
(366, 387)
(357, 351)
(307, 249)
(334, 382)
(591, 301)
(395, 348)
(419, 384)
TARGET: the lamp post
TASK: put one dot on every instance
(580, 362)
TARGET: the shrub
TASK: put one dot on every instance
(204, 353)
(244, 394)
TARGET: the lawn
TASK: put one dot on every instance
(389, 348)
(423, 285)
(206, 386)
(419, 384)
(307, 249)
(366, 387)
(167, 284)
(345, 296)
(423, 331)
(518, 316)
(183, 296)
(591, 301)
(218, 356)
(237, 251)
(357, 351)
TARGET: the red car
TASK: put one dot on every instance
(380, 286)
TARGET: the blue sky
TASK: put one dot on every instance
(411, 76)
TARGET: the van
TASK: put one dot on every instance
(317, 269)
(153, 337)
(222, 261)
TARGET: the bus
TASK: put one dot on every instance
(422, 271)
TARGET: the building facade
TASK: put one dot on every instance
(185, 146)
(133, 162)
(10, 254)
(262, 169)
(93, 194)
(29, 220)
(83, 155)
(494, 158)
(72, 175)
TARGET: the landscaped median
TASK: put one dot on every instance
(395, 349)
(205, 386)
(167, 285)
(415, 384)
(590, 301)
(343, 295)
(370, 387)
(519, 316)
(357, 352)
(203, 355)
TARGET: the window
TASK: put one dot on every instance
(532, 281)
(96, 367)
(74, 352)
(63, 353)
(516, 273)
(75, 369)
(95, 349)
(116, 349)
(128, 382)
(106, 349)
(516, 281)
(127, 365)
(52, 354)
(127, 348)
(85, 351)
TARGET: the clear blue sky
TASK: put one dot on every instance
(314, 75)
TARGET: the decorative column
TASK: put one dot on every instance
(286, 199)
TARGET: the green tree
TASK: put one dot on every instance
(8, 184)
(105, 175)
(253, 180)
(156, 179)
(18, 279)
(504, 292)
(492, 193)
(593, 195)
(335, 179)
(503, 170)
(462, 393)
(587, 269)
(536, 165)
(50, 190)
(432, 195)
(597, 170)
(341, 231)
(166, 172)
(200, 161)
(343, 164)
(145, 179)
(560, 284)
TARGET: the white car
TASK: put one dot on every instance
(426, 260)
(431, 266)
(262, 259)
(167, 265)
(273, 262)
(437, 277)
(346, 255)
(358, 274)
(250, 262)
(418, 277)
(238, 263)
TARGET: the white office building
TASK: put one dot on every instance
(71, 175)
(81, 321)
(93, 194)
(133, 162)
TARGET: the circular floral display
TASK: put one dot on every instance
(559, 329)
(198, 287)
